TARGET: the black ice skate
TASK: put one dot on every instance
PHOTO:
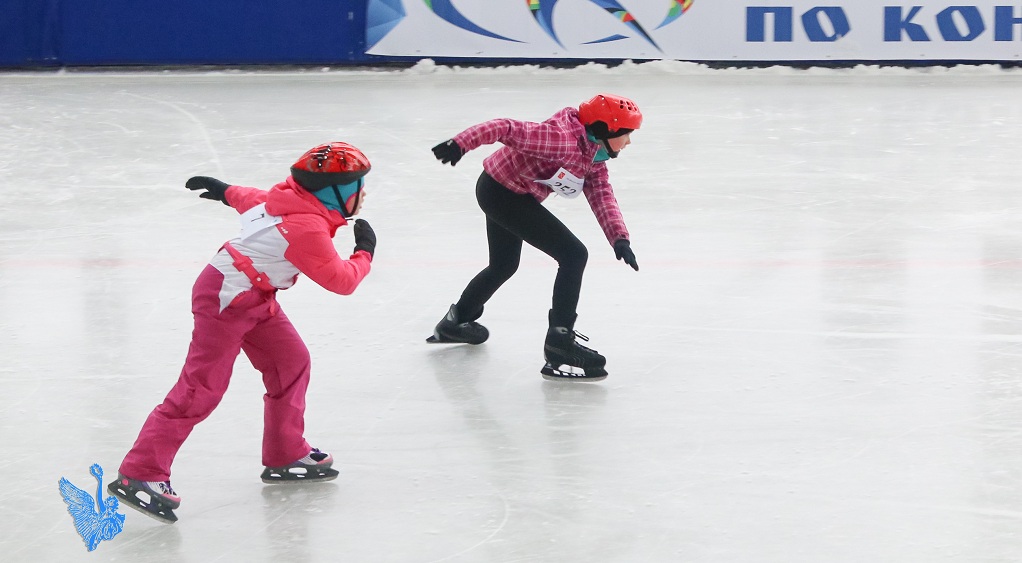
(452, 330)
(154, 499)
(567, 360)
(314, 467)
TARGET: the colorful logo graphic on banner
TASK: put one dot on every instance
(543, 11)
(446, 10)
(678, 7)
(383, 15)
(95, 521)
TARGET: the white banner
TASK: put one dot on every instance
(699, 30)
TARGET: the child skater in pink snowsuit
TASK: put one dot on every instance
(564, 155)
(285, 231)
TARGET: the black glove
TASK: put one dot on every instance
(365, 237)
(448, 151)
(215, 189)
(623, 251)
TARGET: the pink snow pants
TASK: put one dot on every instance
(252, 323)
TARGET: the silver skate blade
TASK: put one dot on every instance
(166, 515)
(442, 340)
(281, 476)
(571, 373)
(153, 509)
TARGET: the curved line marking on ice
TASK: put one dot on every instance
(202, 128)
(507, 512)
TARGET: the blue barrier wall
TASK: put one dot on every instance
(56, 33)
(66, 33)
(28, 32)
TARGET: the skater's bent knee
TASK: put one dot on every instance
(576, 258)
(503, 271)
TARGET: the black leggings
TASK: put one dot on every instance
(510, 219)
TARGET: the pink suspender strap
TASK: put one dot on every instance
(259, 279)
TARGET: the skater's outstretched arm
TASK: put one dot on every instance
(541, 140)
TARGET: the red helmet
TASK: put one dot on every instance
(330, 164)
(608, 115)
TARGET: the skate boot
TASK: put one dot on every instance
(155, 499)
(452, 330)
(566, 359)
(313, 467)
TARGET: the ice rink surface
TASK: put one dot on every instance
(819, 360)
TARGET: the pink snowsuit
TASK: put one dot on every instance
(285, 231)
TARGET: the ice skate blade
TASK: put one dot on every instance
(550, 373)
(280, 477)
(166, 516)
(434, 339)
(152, 510)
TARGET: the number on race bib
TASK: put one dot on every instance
(564, 183)
(257, 219)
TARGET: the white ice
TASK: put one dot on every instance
(819, 360)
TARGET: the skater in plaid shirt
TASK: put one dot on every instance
(564, 155)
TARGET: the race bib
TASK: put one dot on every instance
(257, 219)
(564, 183)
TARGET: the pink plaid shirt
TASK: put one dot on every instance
(536, 151)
